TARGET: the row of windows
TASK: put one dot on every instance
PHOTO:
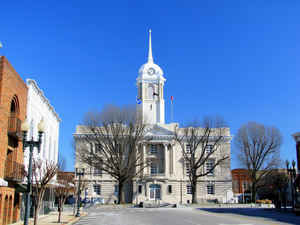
(153, 148)
(208, 167)
(97, 189)
(210, 189)
(208, 148)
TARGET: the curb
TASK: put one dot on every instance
(75, 220)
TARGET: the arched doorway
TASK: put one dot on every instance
(10, 208)
(1, 203)
(5, 212)
(16, 207)
(154, 192)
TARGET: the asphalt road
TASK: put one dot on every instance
(183, 216)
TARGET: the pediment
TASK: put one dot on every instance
(157, 130)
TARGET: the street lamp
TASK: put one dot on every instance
(79, 172)
(31, 144)
(292, 173)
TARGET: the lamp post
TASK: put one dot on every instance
(79, 172)
(292, 173)
(31, 144)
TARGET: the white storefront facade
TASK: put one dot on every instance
(38, 108)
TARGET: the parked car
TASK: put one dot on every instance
(86, 200)
(98, 200)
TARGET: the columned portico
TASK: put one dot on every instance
(166, 160)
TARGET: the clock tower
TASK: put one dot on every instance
(150, 84)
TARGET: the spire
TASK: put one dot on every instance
(150, 58)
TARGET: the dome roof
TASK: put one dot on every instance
(150, 70)
(145, 68)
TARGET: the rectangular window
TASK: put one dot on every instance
(209, 148)
(97, 189)
(169, 189)
(209, 167)
(189, 189)
(140, 188)
(153, 168)
(153, 149)
(98, 148)
(97, 172)
(188, 149)
(141, 91)
(116, 189)
(210, 189)
(91, 148)
(188, 168)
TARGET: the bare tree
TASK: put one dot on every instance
(65, 187)
(258, 149)
(110, 141)
(200, 143)
(42, 173)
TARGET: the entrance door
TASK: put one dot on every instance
(154, 191)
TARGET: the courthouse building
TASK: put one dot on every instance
(166, 178)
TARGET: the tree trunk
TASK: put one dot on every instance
(253, 193)
(59, 210)
(194, 191)
(120, 193)
(35, 215)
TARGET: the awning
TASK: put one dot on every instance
(297, 180)
(20, 188)
(3, 182)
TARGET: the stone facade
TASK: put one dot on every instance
(166, 179)
(13, 98)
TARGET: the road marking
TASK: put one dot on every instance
(237, 224)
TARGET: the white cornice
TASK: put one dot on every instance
(41, 94)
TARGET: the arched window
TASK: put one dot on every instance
(31, 128)
(150, 91)
(44, 146)
(14, 106)
(50, 148)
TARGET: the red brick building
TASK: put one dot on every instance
(297, 139)
(13, 99)
(241, 183)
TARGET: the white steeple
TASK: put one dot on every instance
(150, 57)
(150, 84)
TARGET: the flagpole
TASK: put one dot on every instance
(172, 112)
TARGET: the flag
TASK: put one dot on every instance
(172, 98)
(138, 100)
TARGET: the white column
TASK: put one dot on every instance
(144, 155)
(174, 159)
(166, 160)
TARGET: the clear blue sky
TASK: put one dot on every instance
(238, 59)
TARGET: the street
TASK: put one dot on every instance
(188, 216)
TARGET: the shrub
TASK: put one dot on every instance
(264, 201)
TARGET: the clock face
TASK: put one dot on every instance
(151, 71)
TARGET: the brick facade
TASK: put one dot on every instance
(13, 100)
(240, 181)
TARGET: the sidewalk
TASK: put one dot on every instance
(67, 218)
